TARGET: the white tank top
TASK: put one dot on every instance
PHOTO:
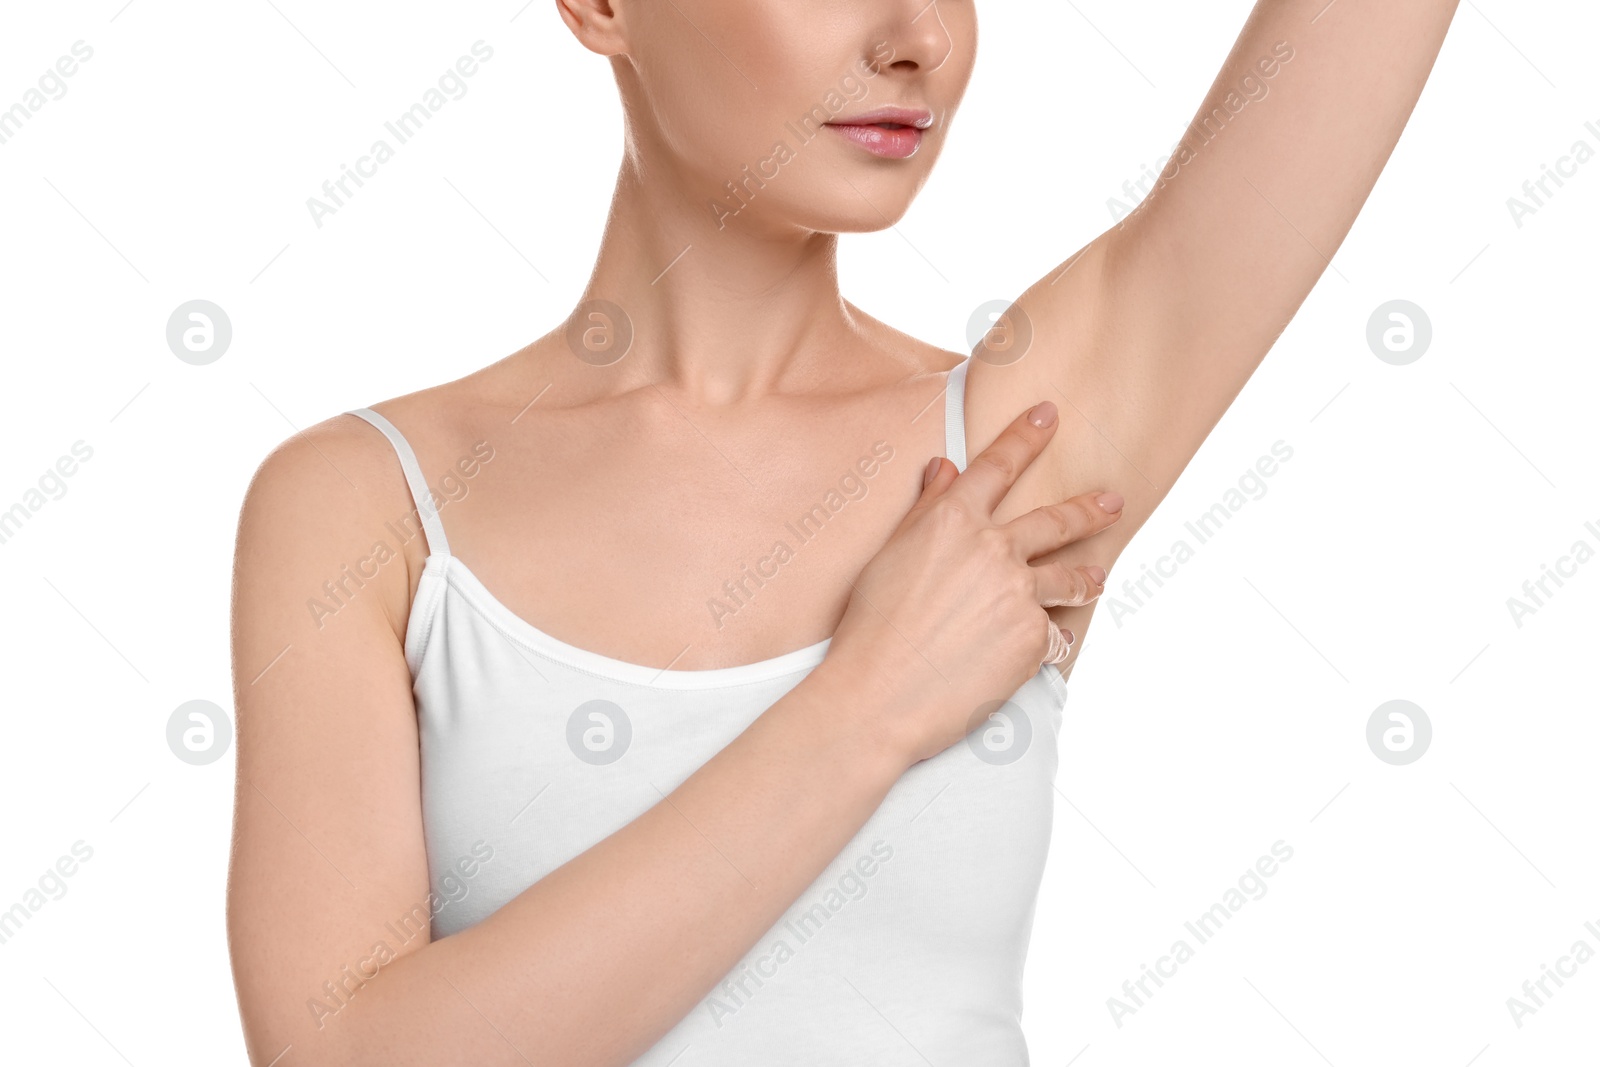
(533, 750)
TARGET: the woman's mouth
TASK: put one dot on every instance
(893, 133)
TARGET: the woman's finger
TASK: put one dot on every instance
(1047, 528)
(1060, 643)
(1061, 586)
(996, 469)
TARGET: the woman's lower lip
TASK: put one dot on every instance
(899, 143)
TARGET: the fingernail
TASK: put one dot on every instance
(1043, 415)
(1110, 502)
(933, 469)
(1070, 636)
(1098, 574)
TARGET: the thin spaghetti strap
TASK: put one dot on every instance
(421, 495)
(955, 415)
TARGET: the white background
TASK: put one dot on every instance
(1227, 713)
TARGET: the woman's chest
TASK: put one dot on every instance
(693, 548)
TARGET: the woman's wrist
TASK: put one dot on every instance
(858, 717)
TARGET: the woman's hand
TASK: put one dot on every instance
(950, 616)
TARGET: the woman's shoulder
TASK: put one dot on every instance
(325, 495)
(323, 466)
(344, 449)
(315, 506)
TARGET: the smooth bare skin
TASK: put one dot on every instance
(655, 914)
(1147, 334)
(619, 502)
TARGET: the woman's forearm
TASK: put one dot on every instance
(649, 918)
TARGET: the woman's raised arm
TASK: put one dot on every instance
(1153, 328)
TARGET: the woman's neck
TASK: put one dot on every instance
(719, 309)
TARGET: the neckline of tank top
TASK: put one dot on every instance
(457, 574)
(460, 576)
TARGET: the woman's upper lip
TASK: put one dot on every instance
(900, 116)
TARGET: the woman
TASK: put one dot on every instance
(649, 693)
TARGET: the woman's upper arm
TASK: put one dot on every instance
(1147, 335)
(1267, 181)
(328, 844)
